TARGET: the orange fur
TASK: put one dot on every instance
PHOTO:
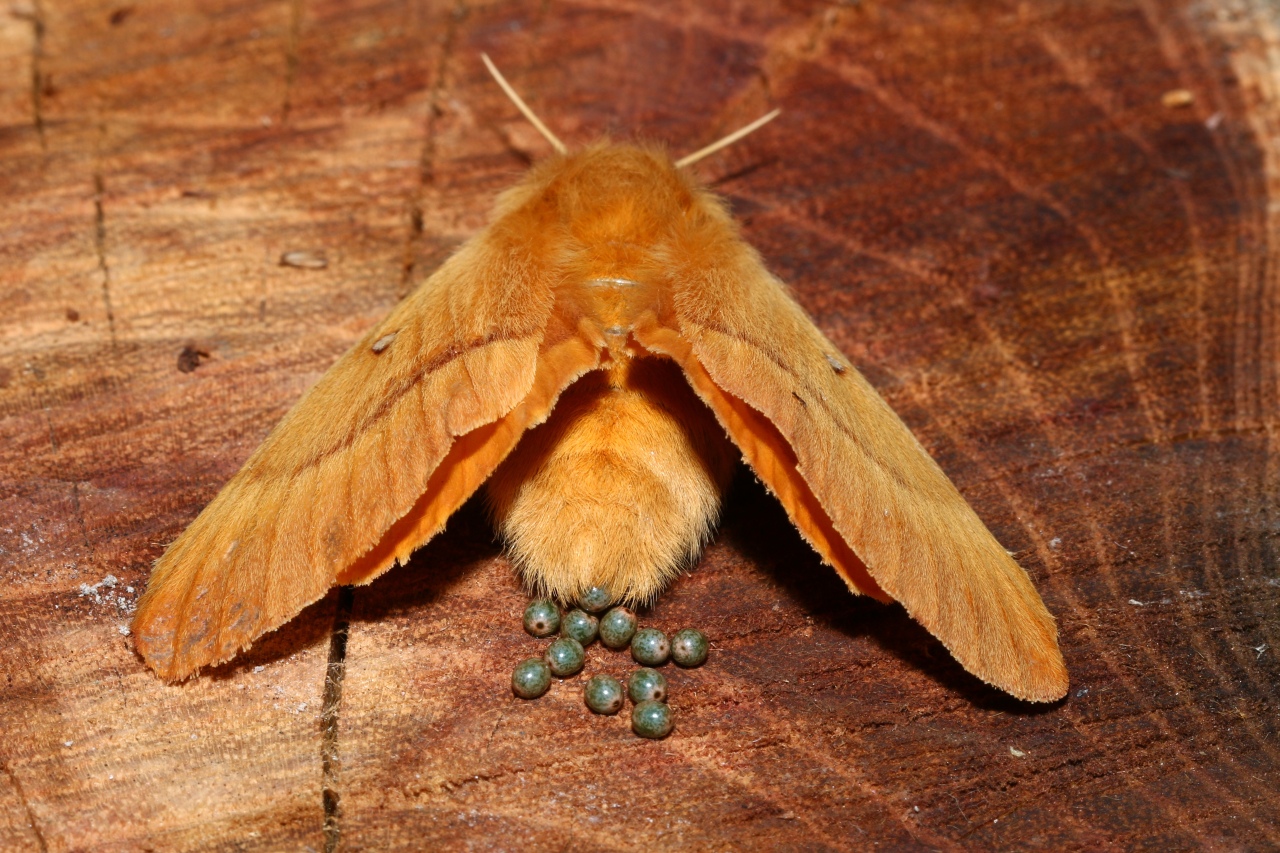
(620, 488)
(611, 282)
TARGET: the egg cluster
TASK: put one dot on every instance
(616, 629)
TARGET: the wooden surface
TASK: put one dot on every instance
(1066, 286)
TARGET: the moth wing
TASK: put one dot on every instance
(371, 461)
(852, 477)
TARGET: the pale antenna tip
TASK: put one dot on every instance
(522, 106)
(690, 159)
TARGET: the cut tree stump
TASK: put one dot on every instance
(1047, 232)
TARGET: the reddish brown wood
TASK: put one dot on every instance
(1066, 286)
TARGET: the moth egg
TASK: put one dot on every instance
(603, 694)
(581, 626)
(651, 720)
(650, 647)
(565, 657)
(595, 599)
(531, 678)
(647, 685)
(541, 618)
(617, 627)
(689, 647)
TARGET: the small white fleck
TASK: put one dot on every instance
(195, 737)
(304, 259)
(1017, 753)
(1136, 603)
(67, 742)
(124, 630)
(259, 668)
(836, 365)
(128, 589)
(1212, 122)
(266, 121)
(917, 808)
(383, 342)
(1055, 543)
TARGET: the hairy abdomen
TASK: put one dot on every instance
(620, 487)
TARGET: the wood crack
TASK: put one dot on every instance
(41, 844)
(330, 761)
(35, 16)
(100, 247)
(79, 513)
(427, 159)
(291, 57)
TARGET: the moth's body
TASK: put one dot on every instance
(589, 355)
(619, 488)
(622, 484)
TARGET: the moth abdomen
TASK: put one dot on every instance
(619, 488)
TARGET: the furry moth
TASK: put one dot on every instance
(598, 357)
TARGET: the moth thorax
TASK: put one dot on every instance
(619, 488)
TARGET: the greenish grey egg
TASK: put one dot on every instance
(651, 719)
(541, 618)
(650, 647)
(689, 647)
(617, 627)
(647, 685)
(604, 694)
(531, 678)
(595, 599)
(565, 657)
(580, 625)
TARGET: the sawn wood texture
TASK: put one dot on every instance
(1047, 232)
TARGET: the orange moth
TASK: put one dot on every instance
(598, 356)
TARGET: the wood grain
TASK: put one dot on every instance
(1067, 288)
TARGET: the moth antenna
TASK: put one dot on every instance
(522, 106)
(690, 159)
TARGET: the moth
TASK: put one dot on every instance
(598, 357)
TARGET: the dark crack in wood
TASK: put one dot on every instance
(35, 16)
(41, 844)
(291, 57)
(100, 247)
(427, 159)
(330, 762)
(79, 514)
